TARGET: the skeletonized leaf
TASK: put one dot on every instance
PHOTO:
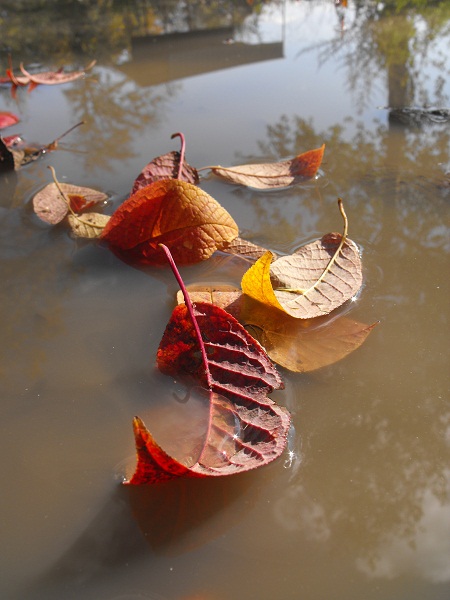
(314, 289)
(52, 208)
(88, 225)
(55, 77)
(7, 119)
(172, 212)
(274, 175)
(245, 428)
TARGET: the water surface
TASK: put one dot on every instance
(358, 506)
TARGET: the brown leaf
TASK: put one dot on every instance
(52, 208)
(172, 212)
(7, 162)
(55, 77)
(227, 297)
(244, 248)
(88, 225)
(300, 345)
(274, 175)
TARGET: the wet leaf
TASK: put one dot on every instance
(51, 207)
(244, 248)
(295, 344)
(167, 166)
(246, 429)
(55, 77)
(304, 345)
(181, 215)
(7, 119)
(313, 281)
(9, 159)
(274, 175)
(88, 225)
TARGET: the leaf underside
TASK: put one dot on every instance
(165, 167)
(246, 428)
(51, 207)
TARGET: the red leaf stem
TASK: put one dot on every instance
(190, 309)
(182, 151)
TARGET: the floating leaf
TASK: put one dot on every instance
(88, 225)
(51, 207)
(244, 248)
(295, 344)
(304, 345)
(9, 159)
(7, 119)
(167, 166)
(313, 281)
(181, 215)
(274, 175)
(55, 77)
(245, 428)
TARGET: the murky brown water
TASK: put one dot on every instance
(358, 506)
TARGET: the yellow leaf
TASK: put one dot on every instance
(256, 282)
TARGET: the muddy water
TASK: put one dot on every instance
(358, 506)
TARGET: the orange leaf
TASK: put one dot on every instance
(274, 175)
(172, 212)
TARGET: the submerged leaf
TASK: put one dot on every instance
(88, 225)
(246, 429)
(172, 212)
(51, 207)
(274, 175)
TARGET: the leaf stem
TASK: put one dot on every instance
(190, 310)
(182, 151)
(332, 259)
(63, 195)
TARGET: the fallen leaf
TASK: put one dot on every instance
(12, 141)
(304, 345)
(55, 77)
(296, 344)
(9, 159)
(313, 281)
(244, 248)
(179, 214)
(246, 429)
(273, 175)
(227, 297)
(51, 207)
(88, 225)
(167, 166)
(7, 119)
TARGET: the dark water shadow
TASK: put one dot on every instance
(168, 519)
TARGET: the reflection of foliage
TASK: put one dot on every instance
(103, 29)
(114, 110)
(398, 37)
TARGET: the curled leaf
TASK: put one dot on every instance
(244, 248)
(51, 207)
(171, 212)
(55, 77)
(274, 175)
(245, 428)
(88, 225)
(7, 119)
(168, 166)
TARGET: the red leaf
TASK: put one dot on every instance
(7, 119)
(246, 429)
(167, 166)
